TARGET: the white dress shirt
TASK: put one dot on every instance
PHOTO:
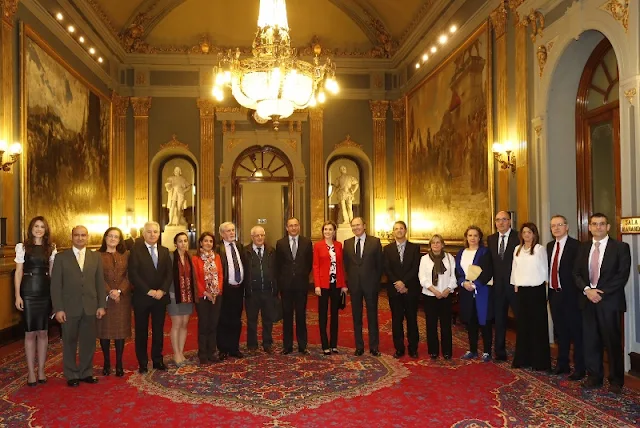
(445, 280)
(228, 248)
(563, 242)
(603, 246)
(529, 270)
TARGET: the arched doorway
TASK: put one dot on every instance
(598, 140)
(262, 179)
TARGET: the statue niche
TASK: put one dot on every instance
(344, 178)
(176, 185)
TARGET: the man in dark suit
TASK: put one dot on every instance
(401, 264)
(260, 290)
(230, 324)
(150, 272)
(501, 246)
(294, 261)
(601, 272)
(78, 295)
(362, 257)
(564, 298)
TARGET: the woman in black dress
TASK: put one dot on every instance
(34, 260)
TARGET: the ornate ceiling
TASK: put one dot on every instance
(344, 28)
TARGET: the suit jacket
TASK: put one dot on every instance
(483, 299)
(502, 267)
(407, 271)
(75, 291)
(222, 252)
(143, 274)
(293, 274)
(322, 265)
(363, 274)
(269, 257)
(614, 273)
(565, 265)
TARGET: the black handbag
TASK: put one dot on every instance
(343, 301)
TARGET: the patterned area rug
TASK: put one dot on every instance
(297, 390)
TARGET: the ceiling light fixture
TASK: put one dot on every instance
(81, 39)
(92, 51)
(274, 82)
(71, 28)
(434, 49)
(59, 16)
(425, 57)
(442, 39)
(453, 29)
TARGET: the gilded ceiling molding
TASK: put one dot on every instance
(499, 20)
(536, 20)
(103, 17)
(347, 143)
(132, 39)
(418, 17)
(9, 9)
(630, 94)
(619, 10)
(385, 45)
(542, 58)
(174, 144)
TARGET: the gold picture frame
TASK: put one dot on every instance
(447, 192)
(66, 127)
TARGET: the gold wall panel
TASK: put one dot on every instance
(522, 123)
(141, 106)
(316, 171)
(8, 179)
(120, 106)
(379, 115)
(499, 22)
(207, 173)
(400, 162)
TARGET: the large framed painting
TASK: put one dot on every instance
(66, 125)
(449, 127)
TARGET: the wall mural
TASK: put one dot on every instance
(67, 128)
(450, 164)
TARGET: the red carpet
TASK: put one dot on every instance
(312, 391)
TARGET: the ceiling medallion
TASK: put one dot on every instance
(274, 82)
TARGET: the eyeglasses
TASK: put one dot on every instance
(598, 224)
(558, 225)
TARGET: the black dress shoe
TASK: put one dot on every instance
(268, 350)
(32, 384)
(42, 381)
(577, 375)
(433, 356)
(592, 383)
(375, 353)
(561, 370)
(159, 366)
(500, 357)
(89, 379)
(304, 351)
(143, 370)
(204, 361)
(447, 357)
(615, 389)
(73, 382)
(214, 358)
(358, 352)
(223, 356)
(236, 354)
(119, 371)
(413, 354)
(106, 371)
(287, 351)
(398, 354)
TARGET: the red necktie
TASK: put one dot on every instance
(554, 268)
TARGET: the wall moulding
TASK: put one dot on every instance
(347, 142)
(174, 144)
(619, 10)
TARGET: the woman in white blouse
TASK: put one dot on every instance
(437, 275)
(529, 274)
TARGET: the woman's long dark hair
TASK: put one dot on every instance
(119, 248)
(29, 242)
(536, 237)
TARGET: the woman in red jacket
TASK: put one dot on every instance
(208, 270)
(328, 277)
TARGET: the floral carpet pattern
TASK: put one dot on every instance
(296, 390)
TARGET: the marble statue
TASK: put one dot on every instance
(345, 188)
(177, 186)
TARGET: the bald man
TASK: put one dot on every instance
(79, 296)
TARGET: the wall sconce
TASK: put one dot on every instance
(507, 149)
(14, 153)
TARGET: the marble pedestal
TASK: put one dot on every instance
(169, 233)
(344, 232)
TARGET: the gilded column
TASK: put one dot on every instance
(379, 112)
(141, 106)
(120, 105)
(522, 122)
(499, 21)
(401, 176)
(207, 173)
(316, 171)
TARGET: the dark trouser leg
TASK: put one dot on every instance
(215, 319)
(371, 299)
(119, 352)
(411, 313)
(288, 298)
(70, 334)
(205, 329)
(431, 311)
(230, 323)
(539, 320)
(446, 336)
(300, 304)
(472, 329)
(252, 305)
(356, 311)
(592, 342)
(487, 337)
(610, 325)
(396, 303)
(141, 318)
(575, 321)
(87, 339)
(323, 306)
(523, 355)
(105, 344)
(335, 295)
(158, 312)
(267, 314)
(561, 325)
(503, 300)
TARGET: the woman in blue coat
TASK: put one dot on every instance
(476, 297)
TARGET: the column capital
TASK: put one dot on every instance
(398, 109)
(207, 107)
(141, 106)
(499, 20)
(316, 113)
(120, 104)
(379, 109)
(9, 9)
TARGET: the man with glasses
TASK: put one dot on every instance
(601, 272)
(564, 297)
(501, 246)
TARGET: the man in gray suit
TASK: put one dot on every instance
(78, 295)
(362, 257)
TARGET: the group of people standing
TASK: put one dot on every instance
(92, 294)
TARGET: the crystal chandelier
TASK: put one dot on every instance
(274, 82)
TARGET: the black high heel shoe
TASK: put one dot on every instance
(119, 371)
(106, 371)
(42, 381)
(32, 384)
